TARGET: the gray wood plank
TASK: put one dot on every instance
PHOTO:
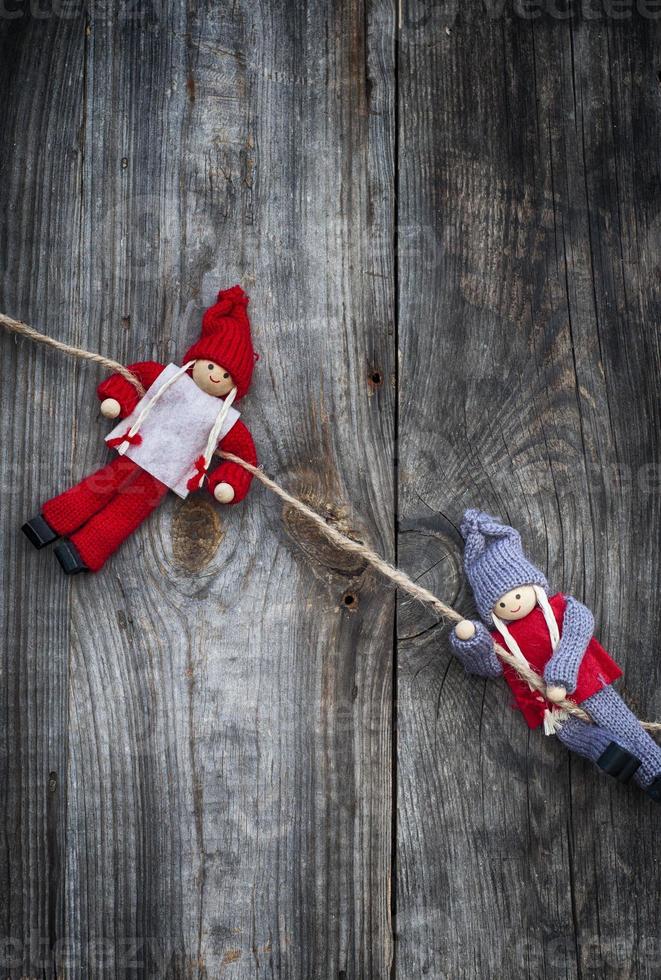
(530, 352)
(39, 277)
(221, 724)
(196, 744)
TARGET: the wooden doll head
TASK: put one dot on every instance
(212, 378)
(515, 604)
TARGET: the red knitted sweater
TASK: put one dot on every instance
(237, 441)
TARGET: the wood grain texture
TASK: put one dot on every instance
(447, 218)
(216, 717)
(530, 353)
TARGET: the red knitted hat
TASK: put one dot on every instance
(226, 338)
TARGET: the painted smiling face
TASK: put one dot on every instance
(515, 604)
(212, 378)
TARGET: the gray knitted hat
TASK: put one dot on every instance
(494, 561)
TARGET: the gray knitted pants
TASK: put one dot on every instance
(614, 723)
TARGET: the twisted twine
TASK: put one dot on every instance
(17, 326)
(400, 579)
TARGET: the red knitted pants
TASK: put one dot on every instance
(104, 508)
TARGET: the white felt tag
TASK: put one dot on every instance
(175, 432)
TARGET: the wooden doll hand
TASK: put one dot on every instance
(110, 408)
(465, 630)
(555, 693)
(224, 493)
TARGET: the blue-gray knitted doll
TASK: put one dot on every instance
(555, 637)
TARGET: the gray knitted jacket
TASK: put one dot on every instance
(478, 654)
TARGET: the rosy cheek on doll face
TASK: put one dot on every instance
(516, 604)
(212, 378)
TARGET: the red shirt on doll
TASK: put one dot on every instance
(597, 668)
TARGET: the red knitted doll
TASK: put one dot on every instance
(166, 440)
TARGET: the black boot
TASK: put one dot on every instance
(617, 762)
(39, 532)
(69, 558)
(654, 790)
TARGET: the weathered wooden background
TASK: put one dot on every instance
(229, 754)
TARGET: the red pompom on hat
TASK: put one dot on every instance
(226, 338)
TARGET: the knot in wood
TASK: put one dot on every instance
(197, 532)
(312, 540)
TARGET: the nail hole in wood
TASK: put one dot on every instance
(376, 379)
(350, 600)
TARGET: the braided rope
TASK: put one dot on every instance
(400, 579)
(406, 584)
(18, 327)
